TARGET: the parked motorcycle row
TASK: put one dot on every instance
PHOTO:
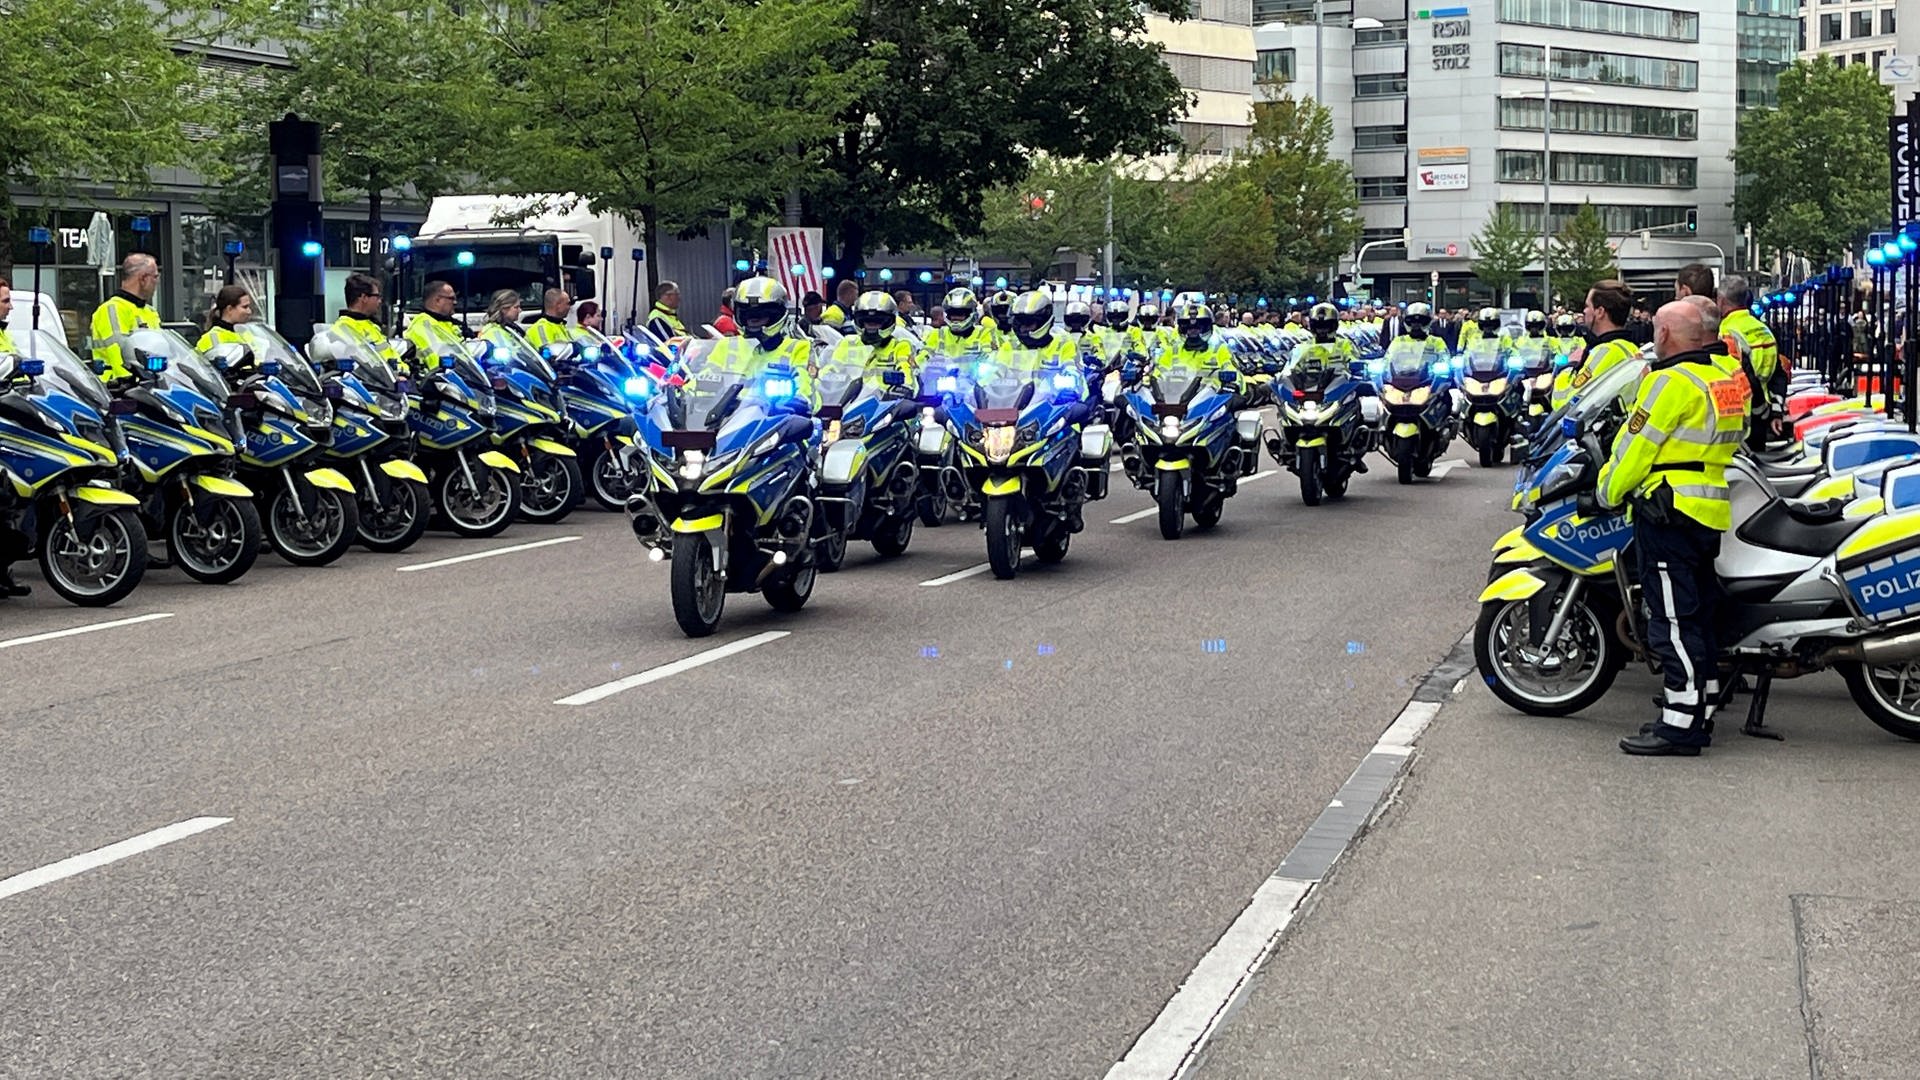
(212, 456)
(1820, 572)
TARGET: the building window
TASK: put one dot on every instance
(1211, 73)
(1368, 236)
(1370, 86)
(1829, 27)
(1382, 187)
(1392, 33)
(1886, 20)
(1613, 170)
(1862, 24)
(1237, 12)
(1212, 138)
(1618, 219)
(1601, 17)
(1379, 138)
(1613, 69)
(1596, 118)
(1274, 64)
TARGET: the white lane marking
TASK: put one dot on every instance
(1442, 468)
(87, 629)
(606, 690)
(971, 571)
(1147, 513)
(80, 864)
(1261, 475)
(486, 554)
(1166, 1049)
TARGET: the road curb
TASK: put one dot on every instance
(1174, 1044)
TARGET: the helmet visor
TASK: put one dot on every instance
(760, 316)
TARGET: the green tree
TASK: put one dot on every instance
(105, 93)
(1070, 215)
(1502, 251)
(1815, 170)
(970, 94)
(1582, 252)
(1314, 208)
(404, 94)
(672, 112)
(1220, 232)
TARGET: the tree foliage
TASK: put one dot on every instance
(1222, 233)
(969, 95)
(1310, 197)
(1072, 217)
(1502, 251)
(1582, 253)
(670, 112)
(1815, 171)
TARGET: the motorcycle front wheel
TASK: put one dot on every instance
(699, 592)
(1003, 536)
(1570, 677)
(96, 563)
(220, 549)
(607, 481)
(550, 488)
(1889, 694)
(315, 538)
(395, 525)
(1173, 512)
(483, 508)
(1308, 466)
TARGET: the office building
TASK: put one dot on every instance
(1211, 52)
(1849, 31)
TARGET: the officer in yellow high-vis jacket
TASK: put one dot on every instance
(435, 330)
(127, 310)
(1609, 303)
(551, 327)
(760, 306)
(1750, 341)
(1669, 465)
(359, 319)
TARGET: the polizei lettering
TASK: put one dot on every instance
(1874, 593)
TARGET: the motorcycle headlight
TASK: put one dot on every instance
(1169, 427)
(693, 465)
(999, 442)
(1497, 386)
(1394, 395)
(1420, 395)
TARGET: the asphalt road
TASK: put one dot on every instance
(975, 829)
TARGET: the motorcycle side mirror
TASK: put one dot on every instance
(1228, 376)
(894, 378)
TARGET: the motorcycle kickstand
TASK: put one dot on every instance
(1756, 724)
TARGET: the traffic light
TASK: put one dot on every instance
(1693, 221)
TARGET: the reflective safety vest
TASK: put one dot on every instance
(547, 330)
(432, 335)
(1746, 331)
(949, 342)
(665, 324)
(365, 330)
(743, 356)
(1059, 351)
(1686, 425)
(121, 314)
(896, 353)
(1206, 358)
(6, 343)
(1607, 354)
(217, 336)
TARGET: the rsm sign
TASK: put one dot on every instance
(1451, 50)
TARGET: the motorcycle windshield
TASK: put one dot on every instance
(1616, 388)
(1483, 360)
(1407, 364)
(369, 367)
(705, 384)
(941, 374)
(185, 368)
(1316, 364)
(64, 370)
(1533, 354)
(844, 368)
(1177, 383)
(510, 350)
(1003, 385)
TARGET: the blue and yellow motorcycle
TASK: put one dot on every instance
(598, 385)
(475, 488)
(1188, 450)
(1324, 435)
(1416, 383)
(724, 469)
(942, 487)
(372, 440)
(1028, 450)
(57, 499)
(530, 425)
(869, 482)
(1493, 379)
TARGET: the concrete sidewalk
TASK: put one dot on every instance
(1537, 904)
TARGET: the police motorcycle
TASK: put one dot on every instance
(530, 425)
(58, 463)
(725, 487)
(1539, 359)
(1491, 378)
(474, 487)
(373, 443)
(1029, 453)
(1325, 431)
(1806, 589)
(603, 384)
(180, 447)
(869, 478)
(1191, 445)
(285, 418)
(1415, 381)
(942, 486)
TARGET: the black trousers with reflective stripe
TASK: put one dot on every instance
(1683, 598)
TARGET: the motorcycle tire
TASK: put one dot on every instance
(606, 481)
(1423, 468)
(699, 592)
(1003, 536)
(1596, 625)
(1052, 548)
(1868, 694)
(892, 535)
(550, 488)
(1207, 511)
(791, 591)
(1335, 486)
(401, 524)
(1491, 452)
(1173, 512)
(336, 518)
(500, 489)
(1405, 466)
(234, 525)
(1310, 483)
(932, 510)
(830, 551)
(101, 569)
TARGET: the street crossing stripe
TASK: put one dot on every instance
(87, 629)
(607, 690)
(80, 864)
(486, 554)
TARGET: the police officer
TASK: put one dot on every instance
(1323, 322)
(1752, 343)
(1608, 306)
(357, 319)
(1417, 326)
(1669, 466)
(760, 306)
(127, 310)
(878, 346)
(664, 319)
(551, 327)
(1193, 323)
(966, 331)
(434, 330)
(838, 314)
(1078, 320)
(6, 308)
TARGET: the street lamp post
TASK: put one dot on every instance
(1545, 95)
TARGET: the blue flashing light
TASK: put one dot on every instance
(926, 277)
(827, 272)
(590, 354)
(797, 269)
(233, 247)
(141, 224)
(946, 384)
(269, 368)
(978, 281)
(1376, 367)
(1790, 297)
(999, 283)
(638, 388)
(1166, 294)
(311, 249)
(886, 275)
(32, 367)
(39, 234)
(1441, 369)
(1262, 302)
(1891, 252)
(463, 259)
(778, 388)
(1876, 258)
(403, 242)
(1758, 310)
(1569, 427)
(1516, 363)
(1906, 242)
(741, 266)
(1063, 381)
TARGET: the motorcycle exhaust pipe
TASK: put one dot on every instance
(955, 482)
(1895, 649)
(905, 481)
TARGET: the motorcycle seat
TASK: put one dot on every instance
(1811, 529)
(1780, 456)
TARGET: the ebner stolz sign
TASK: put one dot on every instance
(1450, 50)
